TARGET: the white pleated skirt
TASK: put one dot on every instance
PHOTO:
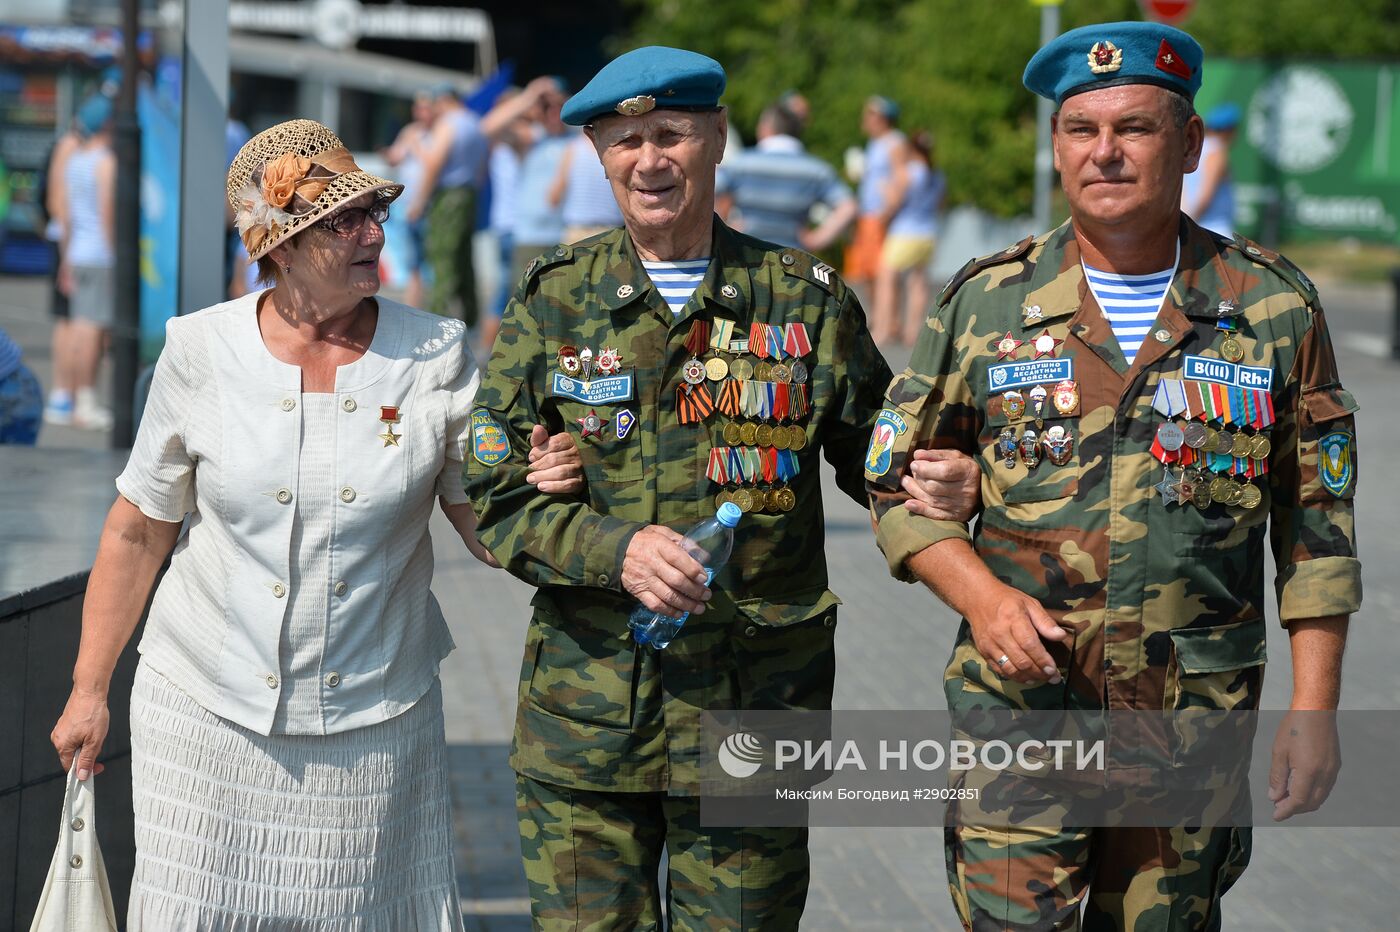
(242, 832)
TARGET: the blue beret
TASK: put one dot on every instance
(93, 114)
(1113, 54)
(651, 78)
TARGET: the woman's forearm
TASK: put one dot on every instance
(131, 552)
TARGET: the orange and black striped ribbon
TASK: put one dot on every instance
(729, 398)
(758, 340)
(693, 403)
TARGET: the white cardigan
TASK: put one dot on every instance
(220, 439)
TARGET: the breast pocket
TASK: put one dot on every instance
(608, 439)
(1044, 465)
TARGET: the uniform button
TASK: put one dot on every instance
(603, 579)
(284, 495)
(349, 405)
(1163, 335)
(271, 681)
(830, 622)
(342, 587)
(560, 252)
(750, 631)
(788, 259)
(347, 495)
(279, 590)
(1107, 664)
(1252, 250)
(332, 679)
(288, 404)
(78, 825)
(76, 861)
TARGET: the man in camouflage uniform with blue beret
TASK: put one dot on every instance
(694, 365)
(1148, 400)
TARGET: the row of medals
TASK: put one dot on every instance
(1200, 486)
(751, 433)
(1057, 443)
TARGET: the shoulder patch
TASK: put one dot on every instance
(803, 265)
(1014, 251)
(1279, 265)
(490, 443)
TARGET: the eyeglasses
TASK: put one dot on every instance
(349, 221)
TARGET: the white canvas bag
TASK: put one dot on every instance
(77, 896)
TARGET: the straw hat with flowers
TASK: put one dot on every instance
(288, 177)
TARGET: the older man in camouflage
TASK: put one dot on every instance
(1148, 401)
(693, 364)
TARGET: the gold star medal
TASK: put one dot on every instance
(389, 416)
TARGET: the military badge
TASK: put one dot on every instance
(585, 363)
(609, 361)
(389, 416)
(1059, 445)
(716, 369)
(1038, 395)
(591, 424)
(799, 372)
(568, 361)
(623, 423)
(693, 372)
(1006, 447)
(1170, 61)
(1013, 405)
(1046, 345)
(1066, 397)
(1195, 434)
(1105, 57)
(889, 425)
(636, 106)
(1007, 346)
(1170, 437)
(490, 445)
(1250, 496)
(1033, 312)
(1030, 448)
(1335, 467)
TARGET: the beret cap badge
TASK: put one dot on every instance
(636, 106)
(1105, 57)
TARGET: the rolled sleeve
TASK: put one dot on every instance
(901, 534)
(1319, 588)
(159, 477)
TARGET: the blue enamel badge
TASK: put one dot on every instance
(888, 426)
(490, 445)
(1335, 466)
(1029, 372)
(623, 423)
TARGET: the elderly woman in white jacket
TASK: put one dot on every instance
(287, 734)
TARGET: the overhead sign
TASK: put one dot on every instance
(340, 24)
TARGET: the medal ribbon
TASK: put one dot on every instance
(736, 465)
(758, 343)
(774, 340)
(716, 471)
(781, 397)
(729, 398)
(770, 397)
(796, 341)
(694, 403)
(1195, 404)
(698, 340)
(1160, 452)
(721, 332)
(769, 458)
(754, 461)
(798, 404)
(787, 465)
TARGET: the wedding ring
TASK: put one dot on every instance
(1003, 660)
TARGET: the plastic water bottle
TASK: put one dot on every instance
(709, 542)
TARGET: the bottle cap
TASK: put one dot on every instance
(729, 514)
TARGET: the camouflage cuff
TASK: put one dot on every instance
(606, 548)
(902, 534)
(1319, 588)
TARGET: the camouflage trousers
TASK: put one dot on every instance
(592, 862)
(1027, 879)
(448, 248)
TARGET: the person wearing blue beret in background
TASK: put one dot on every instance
(1208, 193)
(1118, 561)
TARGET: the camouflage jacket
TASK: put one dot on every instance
(1165, 601)
(595, 711)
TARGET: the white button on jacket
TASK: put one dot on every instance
(219, 439)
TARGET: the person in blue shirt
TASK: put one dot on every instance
(913, 205)
(770, 191)
(1208, 193)
(21, 397)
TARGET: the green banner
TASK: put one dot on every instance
(1317, 154)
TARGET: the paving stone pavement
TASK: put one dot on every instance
(892, 642)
